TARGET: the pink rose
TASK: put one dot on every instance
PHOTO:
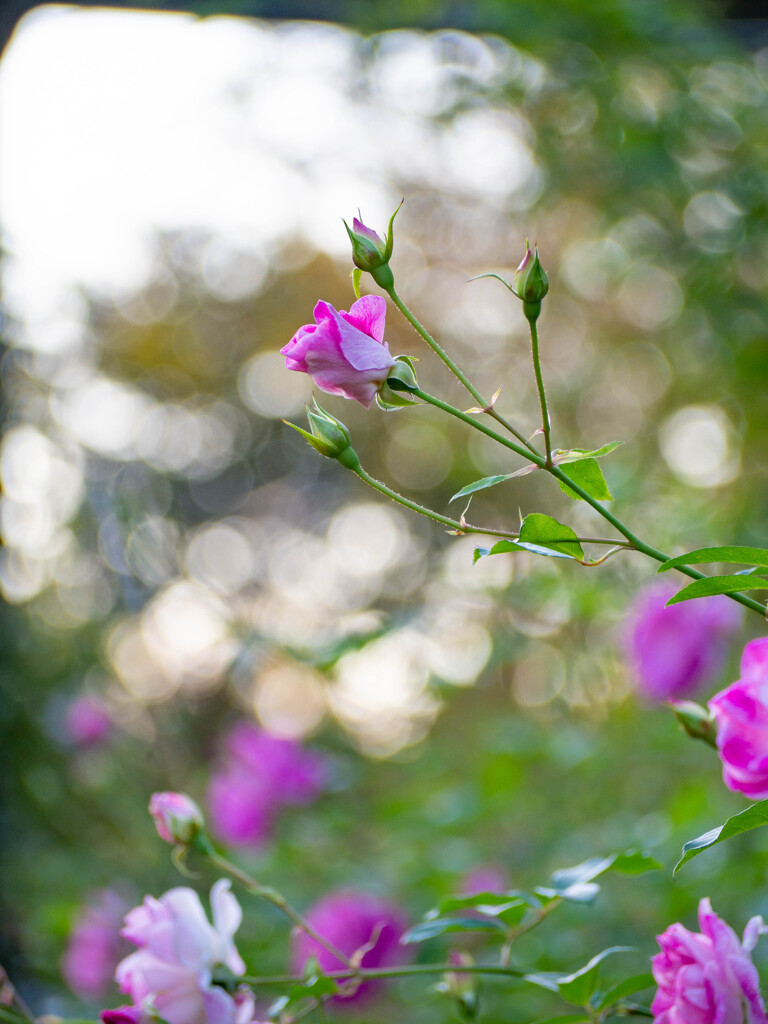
(741, 714)
(344, 353)
(171, 971)
(177, 817)
(676, 650)
(708, 977)
(353, 922)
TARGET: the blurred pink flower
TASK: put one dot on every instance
(94, 944)
(485, 878)
(353, 921)
(177, 817)
(259, 774)
(87, 723)
(674, 651)
(741, 714)
(708, 977)
(171, 971)
(344, 353)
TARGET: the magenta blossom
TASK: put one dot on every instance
(170, 974)
(356, 923)
(676, 650)
(741, 714)
(87, 723)
(344, 353)
(708, 977)
(94, 944)
(177, 817)
(259, 774)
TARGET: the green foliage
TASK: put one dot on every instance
(588, 475)
(718, 585)
(753, 817)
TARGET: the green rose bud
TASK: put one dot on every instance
(372, 253)
(531, 282)
(697, 721)
(329, 436)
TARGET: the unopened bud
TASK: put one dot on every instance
(329, 436)
(531, 282)
(461, 986)
(177, 817)
(372, 253)
(698, 722)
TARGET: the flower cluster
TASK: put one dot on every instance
(359, 925)
(259, 774)
(676, 650)
(708, 977)
(741, 714)
(170, 974)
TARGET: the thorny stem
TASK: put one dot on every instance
(545, 422)
(461, 526)
(277, 900)
(634, 541)
(455, 370)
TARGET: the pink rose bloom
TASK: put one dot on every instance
(177, 817)
(708, 977)
(741, 714)
(87, 722)
(260, 774)
(171, 971)
(675, 651)
(353, 921)
(344, 353)
(93, 948)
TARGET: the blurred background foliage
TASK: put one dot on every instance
(174, 550)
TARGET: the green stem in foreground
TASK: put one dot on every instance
(556, 472)
(442, 354)
(545, 422)
(405, 971)
(275, 898)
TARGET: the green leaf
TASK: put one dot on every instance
(441, 925)
(561, 457)
(577, 883)
(730, 553)
(491, 481)
(718, 585)
(540, 531)
(753, 817)
(578, 987)
(482, 899)
(628, 987)
(588, 475)
(502, 547)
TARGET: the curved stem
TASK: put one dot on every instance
(542, 393)
(460, 526)
(555, 471)
(277, 900)
(455, 370)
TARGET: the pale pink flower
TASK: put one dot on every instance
(93, 947)
(708, 977)
(676, 650)
(171, 972)
(353, 921)
(344, 353)
(741, 714)
(177, 817)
